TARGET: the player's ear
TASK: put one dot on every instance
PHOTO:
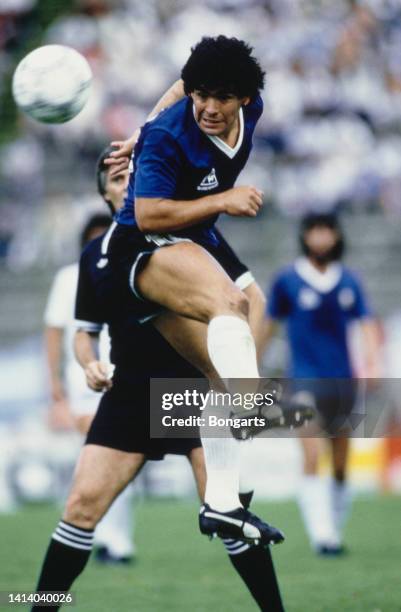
(245, 101)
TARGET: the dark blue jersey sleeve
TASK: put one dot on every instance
(158, 166)
(278, 303)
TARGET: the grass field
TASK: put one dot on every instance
(180, 571)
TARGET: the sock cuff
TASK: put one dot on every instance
(75, 537)
(235, 547)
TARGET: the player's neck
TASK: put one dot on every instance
(231, 136)
(320, 266)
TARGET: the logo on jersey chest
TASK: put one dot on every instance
(346, 298)
(308, 299)
(209, 182)
(102, 263)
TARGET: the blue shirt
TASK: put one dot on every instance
(174, 159)
(317, 309)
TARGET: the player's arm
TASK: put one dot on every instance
(371, 345)
(86, 351)
(56, 318)
(89, 321)
(268, 329)
(277, 309)
(119, 159)
(54, 349)
(158, 215)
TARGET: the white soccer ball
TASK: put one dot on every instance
(52, 83)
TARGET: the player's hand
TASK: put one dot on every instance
(97, 376)
(243, 201)
(119, 159)
(373, 375)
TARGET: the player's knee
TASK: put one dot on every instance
(257, 299)
(236, 302)
(231, 300)
(83, 508)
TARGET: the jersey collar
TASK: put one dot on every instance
(321, 281)
(223, 146)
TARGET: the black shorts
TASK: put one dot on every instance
(334, 398)
(122, 422)
(130, 249)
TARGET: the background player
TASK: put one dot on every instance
(184, 167)
(118, 442)
(318, 297)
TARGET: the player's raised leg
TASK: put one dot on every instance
(188, 281)
(101, 474)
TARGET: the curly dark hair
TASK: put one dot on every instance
(223, 65)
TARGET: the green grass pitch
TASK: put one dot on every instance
(180, 571)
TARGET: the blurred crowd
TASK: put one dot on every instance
(330, 135)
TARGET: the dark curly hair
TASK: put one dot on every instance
(223, 65)
(330, 220)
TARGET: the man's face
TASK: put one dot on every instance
(321, 240)
(216, 113)
(116, 188)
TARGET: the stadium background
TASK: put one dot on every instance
(329, 139)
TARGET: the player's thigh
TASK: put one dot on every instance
(100, 475)
(189, 339)
(187, 280)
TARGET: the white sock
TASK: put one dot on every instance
(247, 475)
(115, 530)
(341, 498)
(232, 348)
(222, 463)
(232, 351)
(314, 502)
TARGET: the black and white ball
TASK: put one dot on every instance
(52, 83)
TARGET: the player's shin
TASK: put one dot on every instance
(66, 557)
(255, 566)
(222, 464)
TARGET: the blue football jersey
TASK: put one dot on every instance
(174, 159)
(317, 309)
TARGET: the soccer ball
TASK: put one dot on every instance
(52, 83)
